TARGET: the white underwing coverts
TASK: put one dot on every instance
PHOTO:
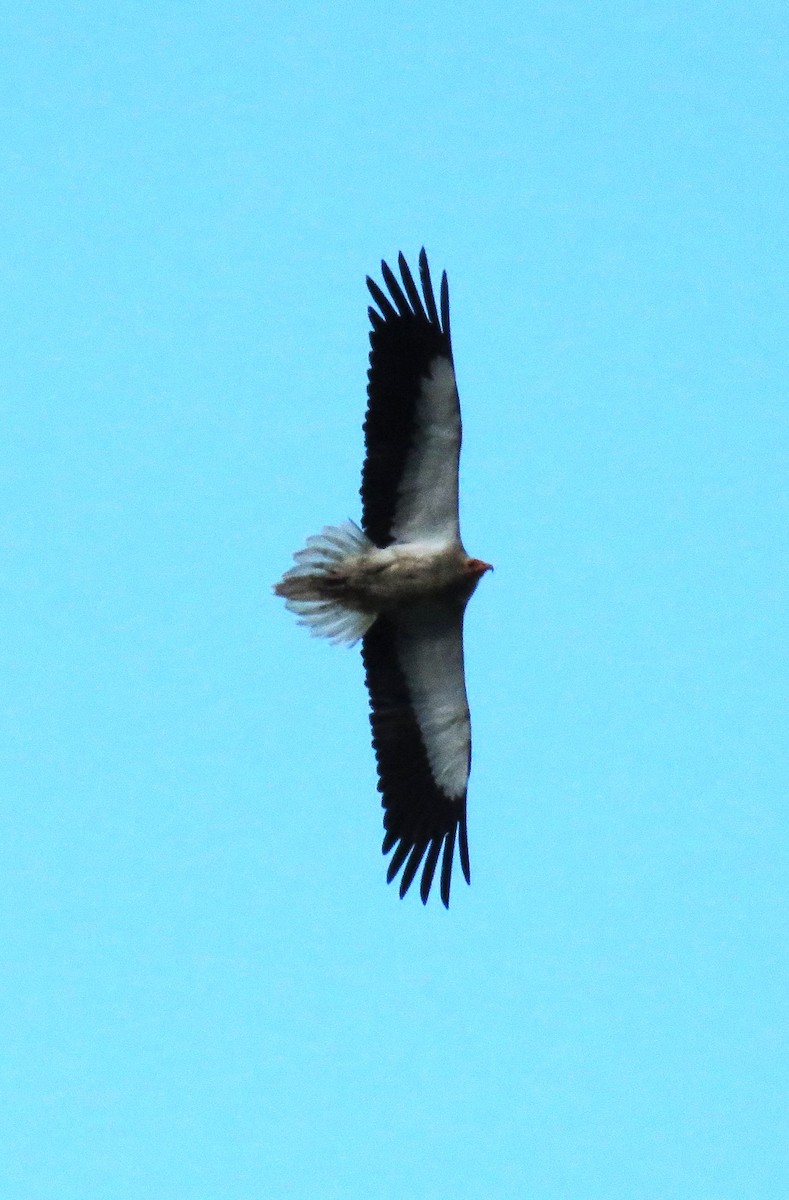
(400, 584)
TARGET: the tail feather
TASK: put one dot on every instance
(310, 588)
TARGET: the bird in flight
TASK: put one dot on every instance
(401, 582)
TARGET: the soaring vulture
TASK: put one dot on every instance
(401, 583)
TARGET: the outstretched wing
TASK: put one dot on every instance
(412, 429)
(422, 738)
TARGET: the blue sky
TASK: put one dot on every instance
(207, 988)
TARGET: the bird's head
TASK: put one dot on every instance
(476, 568)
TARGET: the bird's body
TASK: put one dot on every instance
(401, 584)
(384, 579)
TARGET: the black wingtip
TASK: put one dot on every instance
(463, 850)
(446, 866)
(427, 288)
(396, 292)
(397, 860)
(412, 866)
(445, 306)
(429, 869)
(381, 299)
(411, 289)
(409, 855)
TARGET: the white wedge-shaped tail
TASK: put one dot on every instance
(310, 588)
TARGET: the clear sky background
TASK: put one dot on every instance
(208, 990)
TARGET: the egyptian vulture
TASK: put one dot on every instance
(401, 582)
